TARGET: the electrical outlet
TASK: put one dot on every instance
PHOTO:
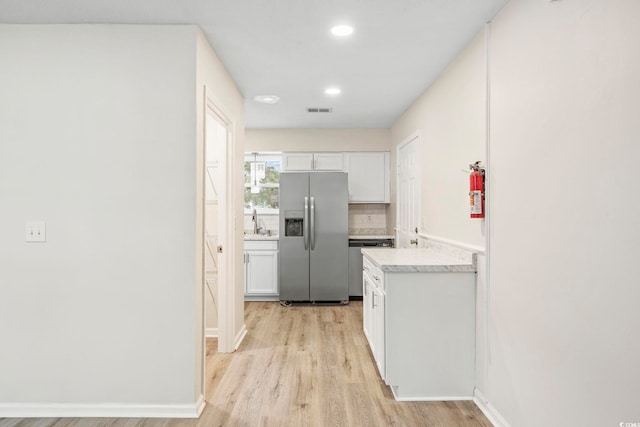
(36, 232)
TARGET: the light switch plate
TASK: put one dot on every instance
(36, 231)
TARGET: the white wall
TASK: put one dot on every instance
(97, 138)
(563, 294)
(317, 140)
(450, 117)
(564, 227)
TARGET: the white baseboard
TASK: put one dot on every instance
(211, 333)
(261, 298)
(102, 410)
(432, 399)
(200, 405)
(427, 399)
(241, 334)
(489, 411)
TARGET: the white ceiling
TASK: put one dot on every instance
(284, 47)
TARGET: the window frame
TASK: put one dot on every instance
(263, 156)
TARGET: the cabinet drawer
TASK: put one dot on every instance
(376, 275)
(260, 245)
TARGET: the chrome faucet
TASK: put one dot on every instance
(254, 219)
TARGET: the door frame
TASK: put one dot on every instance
(226, 295)
(415, 136)
(226, 272)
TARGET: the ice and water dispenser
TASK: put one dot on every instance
(294, 223)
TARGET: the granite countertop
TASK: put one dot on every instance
(260, 237)
(371, 237)
(420, 260)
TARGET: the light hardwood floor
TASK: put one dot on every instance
(298, 366)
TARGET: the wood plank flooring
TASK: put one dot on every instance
(298, 366)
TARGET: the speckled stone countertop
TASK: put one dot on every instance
(425, 260)
(260, 237)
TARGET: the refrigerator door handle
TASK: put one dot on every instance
(305, 221)
(312, 223)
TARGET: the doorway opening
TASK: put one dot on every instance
(408, 191)
(216, 234)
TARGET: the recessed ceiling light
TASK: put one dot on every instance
(266, 99)
(342, 30)
(332, 91)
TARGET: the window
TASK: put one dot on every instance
(262, 181)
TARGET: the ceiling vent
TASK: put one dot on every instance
(319, 110)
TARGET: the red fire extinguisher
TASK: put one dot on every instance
(476, 190)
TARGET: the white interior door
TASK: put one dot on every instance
(408, 191)
(215, 140)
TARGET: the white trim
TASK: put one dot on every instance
(432, 398)
(261, 297)
(487, 220)
(428, 399)
(211, 333)
(479, 249)
(240, 337)
(102, 410)
(489, 411)
(411, 137)
(226, 215)
(200, 404)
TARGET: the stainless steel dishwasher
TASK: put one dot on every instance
(355, 261)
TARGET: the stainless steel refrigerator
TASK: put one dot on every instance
(314, 241)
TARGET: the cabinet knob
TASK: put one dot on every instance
(414, 242)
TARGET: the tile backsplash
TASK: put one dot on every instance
(368, 219)
(364, 219)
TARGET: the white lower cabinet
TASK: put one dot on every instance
(373, 313)
(261, 268)
(377, 324)
(366, 307)
(421, 330)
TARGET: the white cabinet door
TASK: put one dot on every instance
(368, 177)
(366, 307)
(378, 326)
(327, 162)
(262, 272)
(297, 161)
(312, 161)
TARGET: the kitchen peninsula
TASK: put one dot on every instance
(419, 320)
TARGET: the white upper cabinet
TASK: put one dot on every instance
(328, 161)
(368, 177)
(297, 161)
(312, 161)
(368, 171)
